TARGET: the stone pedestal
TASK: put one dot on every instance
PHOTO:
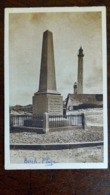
(50, 103)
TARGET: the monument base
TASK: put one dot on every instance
(50, 103)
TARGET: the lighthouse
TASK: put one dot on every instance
(80, 71)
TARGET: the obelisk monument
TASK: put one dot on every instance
(80, 71)
(47, 99)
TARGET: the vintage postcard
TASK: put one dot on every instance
(56, 88)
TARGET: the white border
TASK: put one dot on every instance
(11, 166)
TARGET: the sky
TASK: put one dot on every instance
(70, 31)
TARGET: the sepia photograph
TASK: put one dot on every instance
(56, 88)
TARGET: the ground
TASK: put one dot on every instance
(93, 132)
(79, 155)
(70, 136)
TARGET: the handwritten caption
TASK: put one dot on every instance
(46, 160)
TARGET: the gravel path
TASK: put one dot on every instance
(69, 136)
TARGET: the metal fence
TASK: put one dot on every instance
(26, 120)
(52, 121)
(37, 121)
(18, 120)
(68, 120)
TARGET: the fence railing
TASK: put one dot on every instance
(26, 120)
(36, 121)
(63, 121)
(46, 121)
(18, 120)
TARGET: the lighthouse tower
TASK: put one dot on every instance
(75, 88)
(80, 71)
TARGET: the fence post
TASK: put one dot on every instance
(83, 121)
(45, 122)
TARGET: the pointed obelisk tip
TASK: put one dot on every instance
(47, 31)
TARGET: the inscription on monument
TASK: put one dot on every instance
(55, 105)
